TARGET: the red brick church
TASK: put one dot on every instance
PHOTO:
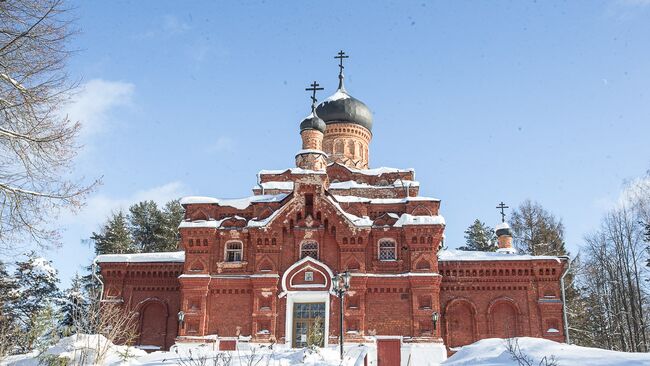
(263, 266)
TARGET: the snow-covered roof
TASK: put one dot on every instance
(276, 185)
(349, 199)
(407, 219)
(451, 255)
(177, 257)
(380, 170)
(292, 170)
(310, 151)
(350, 184)
(356, 220)
(502, 225)
(213, 224)
(238, 203)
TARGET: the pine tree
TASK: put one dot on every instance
(536, 231)
(74, 304)
(479, 237)
(173, 214)
(114, 237)
(37, 289)
(8, 292)
(146, 225)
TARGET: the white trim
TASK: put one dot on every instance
(298, 264)
(309, 285)
(225, 251)
(308, 297)
(379, 249)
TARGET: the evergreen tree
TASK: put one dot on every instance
(480, 237)
(146, 223)
(173, 214)
(8, 292)
(37, 291)
(536, 231)
(114, 237)
(74, 304)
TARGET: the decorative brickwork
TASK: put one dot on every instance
(262, 266)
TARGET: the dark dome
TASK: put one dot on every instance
(504, 232)
(342, 108)
(312, 122)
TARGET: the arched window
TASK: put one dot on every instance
(234, 251)
(387, 250)
(309, 249)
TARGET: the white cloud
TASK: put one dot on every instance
(94, 102)
(223, 144)
(99, 206)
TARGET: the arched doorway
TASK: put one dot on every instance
(503, 319)
(153, 324)
(459, 319)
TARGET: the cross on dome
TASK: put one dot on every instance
(313, 89)
(502, 206)
(341, 56)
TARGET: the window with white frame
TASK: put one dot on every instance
(309, 249)
(234, 251)
(387, 250)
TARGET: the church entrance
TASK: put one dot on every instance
(308, 324)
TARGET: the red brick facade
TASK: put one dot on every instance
(248, 265)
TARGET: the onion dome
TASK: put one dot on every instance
(503, 229)
(312, 122)
(343, 108)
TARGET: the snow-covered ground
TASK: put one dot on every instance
(83, 350)
(492, 352)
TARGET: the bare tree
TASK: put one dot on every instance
(37, 143)
(616, 300)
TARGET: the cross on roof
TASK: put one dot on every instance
(341, 56)
(313, 89)
(502, 206)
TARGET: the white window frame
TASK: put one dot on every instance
(379, 242)
(310, 242)
(227, 251)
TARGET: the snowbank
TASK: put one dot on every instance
(493, 352)
(83, 349)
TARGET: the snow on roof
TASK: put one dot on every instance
(340, 94)
(292, 170)
(310, 151)
(275, 185)
(462, 255)
(178, 257)
(408, 219)
(380, 170)
(238, 203)
(349, 199)
(356, 220)
(502, 225)
(350, 184)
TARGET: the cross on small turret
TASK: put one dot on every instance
(341, 56)
(502, 206)
(313, 89)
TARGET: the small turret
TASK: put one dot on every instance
(312, 128)
(504, 234)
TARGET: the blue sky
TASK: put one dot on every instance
(488, 101)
